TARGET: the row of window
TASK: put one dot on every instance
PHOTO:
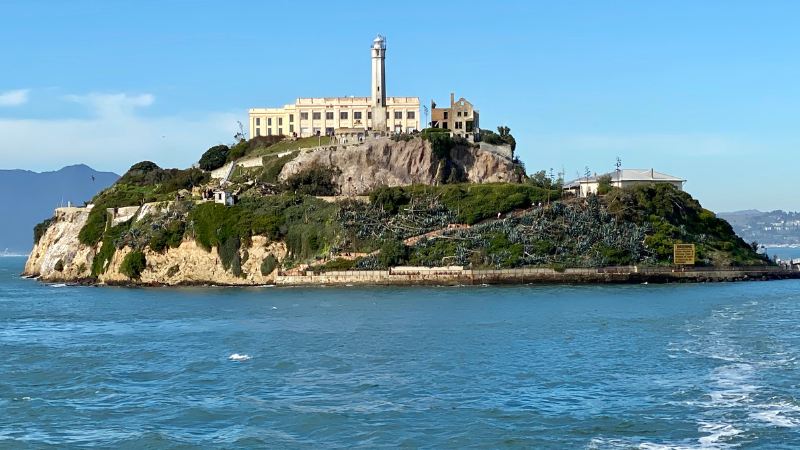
(458, 113)
(342, 115)
(269, 130)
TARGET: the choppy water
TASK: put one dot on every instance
(620, 367)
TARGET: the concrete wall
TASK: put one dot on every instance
(500, 150)
(451, 276)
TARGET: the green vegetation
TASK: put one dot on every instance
(316, 180)
(172, 271)
(133, 264)
(229, 255)
(107, 250)
(272, 167)
(290, 145)
(214, 158)
(40, 229)
(502, 137)
(82, 268)
(268, 264)
(171, 236)
(604, 185)
(393, 253)
(59, 267)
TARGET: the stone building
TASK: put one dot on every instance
(461, 118)
(377, 114)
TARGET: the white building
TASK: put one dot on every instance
(377, 114)
(622, 178)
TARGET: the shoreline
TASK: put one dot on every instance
(528, 276)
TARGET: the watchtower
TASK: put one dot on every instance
(379, 83)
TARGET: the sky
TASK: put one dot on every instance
(705, 90)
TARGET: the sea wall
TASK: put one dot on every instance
(449, 276)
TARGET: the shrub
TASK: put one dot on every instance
(172, 271)
(82, 268)
(214, 157)
(59, 267)
(145, 173)
(133, 264)
(40, 229)
(441, 142)
(107, 250)
(393, 253)
(229, 255)
(238, 151)
(268, 264)
(604, 185)
(172, 236)
(183, 179)
(389, 199)
(316, 180)
(272, 167)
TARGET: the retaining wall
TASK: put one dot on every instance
(450, 276)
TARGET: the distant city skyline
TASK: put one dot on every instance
(705, 91)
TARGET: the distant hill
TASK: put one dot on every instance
(27, 198)
(768, 228)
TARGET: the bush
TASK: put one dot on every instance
(171, 237)
(40, 229)
(229, 255)
(107, 250)
(316, 180)
(390, 199)
(393, 253)
(268, 264)
(133, 264)
(238, 151)
(214, 157)
(172, 271)
(441, 142)
(604, 185)
(182, 179)
(59, 267)
(145, 173)
(272, 167)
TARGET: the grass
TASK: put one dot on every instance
(288, 145)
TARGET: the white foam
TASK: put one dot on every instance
(775, 417)
(238, 357)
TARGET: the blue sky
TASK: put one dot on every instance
(708, 91)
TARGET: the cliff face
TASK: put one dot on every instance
(386, 162)
(187, 264)
(60, 243)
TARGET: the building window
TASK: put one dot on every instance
(459, 126)
(445, 115)
(398, 129)
(316, 116)
(411, 115)
(458, 114)
(444, 125)
(343, 115)
(329, 116)
(316, 129)
(291, 128)
(280, 121)
(303, 116)
(258, 121)
(304, 131)
(291, 118)
(269, 131)
(387, 115)
(280, 131)
(269, 121)
(328, 131)
(357, 115)
(258, 131)
(369, 115)
(470, 126)
(398, 114)
(410, 130)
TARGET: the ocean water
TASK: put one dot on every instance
(703, 366)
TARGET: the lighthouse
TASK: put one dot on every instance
(379, 83)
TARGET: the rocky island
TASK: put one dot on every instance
(414, 208)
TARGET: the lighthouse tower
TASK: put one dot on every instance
(379, 84)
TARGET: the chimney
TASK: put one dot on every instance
(651, 174)
(452, 98)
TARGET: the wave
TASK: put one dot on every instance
(238, 357)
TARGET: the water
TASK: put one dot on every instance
(784, 253)
(589, 367)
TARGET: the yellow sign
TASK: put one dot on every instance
(684, 254)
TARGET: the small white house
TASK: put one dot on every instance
(582, 187)
(224, 197)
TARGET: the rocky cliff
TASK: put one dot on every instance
(185, 265)
(384, 162)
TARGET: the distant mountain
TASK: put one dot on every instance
(768, 228)
(27, 198)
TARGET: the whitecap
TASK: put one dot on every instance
(238, 357)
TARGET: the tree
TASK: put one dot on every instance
(133, 264)
(393, 253)
(604, 185)
(214, 158)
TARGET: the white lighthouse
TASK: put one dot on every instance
(379, 84)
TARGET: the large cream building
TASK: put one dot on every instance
(363, 116)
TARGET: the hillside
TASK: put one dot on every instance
(30, 196)
(776, 228)
(160, 229)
